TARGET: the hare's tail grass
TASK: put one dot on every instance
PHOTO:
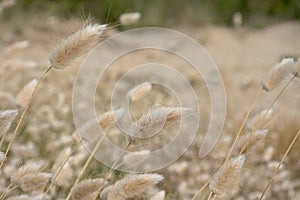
(22, 115)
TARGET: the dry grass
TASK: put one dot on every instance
(47, 161)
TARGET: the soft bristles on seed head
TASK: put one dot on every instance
(2, 155)
(258, 119)
(86, 188)
(140, 91)
(129, 18)
(16, 46)
(297, 68)
(25, 94)
(227, 178)
(135, 158)
(159, 196)
(6, 118)
(134, 185)
(278, 73)
(76, 45)
(33, 181)
(29, 168)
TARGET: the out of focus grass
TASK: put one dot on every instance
(169, 12)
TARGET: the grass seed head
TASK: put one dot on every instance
(159, 196)
(135, 185)
(25, 94)
(30, 168)
(34, 181)
(140, 91)
(278, 73)
(297, 68)
(6, 118)
(86, 188)
(226, 180)
(76, 45)
(129, 18)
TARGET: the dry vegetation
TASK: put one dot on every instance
(41, 153)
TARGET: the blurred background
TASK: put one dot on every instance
(243, 37)
(255, 13)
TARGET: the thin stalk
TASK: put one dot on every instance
(209, 196)
(279, 165)
(86, 164)
(279, 114)
(200, 190)
(109, 173)
(22, 116)
(242, 126)
(3, 195)
(57, 173)
(269, 108)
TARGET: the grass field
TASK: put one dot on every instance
(46, 142)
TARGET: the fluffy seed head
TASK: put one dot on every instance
(16, 46)
(140, 91)
(259, 119)
(108, 118)
(134, 185)
(1, 156)
(30, 168)
(227, 178)
(237, 20)
(86, 189)
(152, 122)
(34, 181)
(135, 158)
(297, 68)
(25, 94)
(129, 18)
(31, 197)
(76, 45)
(252, 139)
(6, 118)
(159, 196)
(278, 73)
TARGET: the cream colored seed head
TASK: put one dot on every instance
(135, 158)
(129, 18)
(29, 168)
(25, 94)
(134, 185)
(2, 155)
(16, 46)
(159, 196)
(297, 68)
(140, 91)
(227, 178)
(259, 119)
(278, 73)
(86, 188)
(77, 45)
(6, 118)
(33, 181)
